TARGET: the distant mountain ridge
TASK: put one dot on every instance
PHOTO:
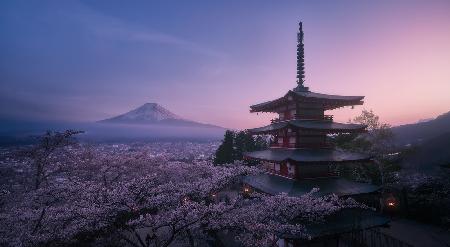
(429, 142)
(154, 114)
(418, 132)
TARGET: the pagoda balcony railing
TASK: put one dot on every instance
(303, 117)
(301, 145)
(275, 172)
(291, 134)
(317, 117)
(310, 176)
(334, 174)
(283, 145)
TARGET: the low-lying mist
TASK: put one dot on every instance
(19, 132)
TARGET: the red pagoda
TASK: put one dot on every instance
(301, 157)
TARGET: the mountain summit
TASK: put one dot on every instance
(148, 112)
(153, 114)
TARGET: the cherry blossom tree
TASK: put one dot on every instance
(136, 198)
(43, 154)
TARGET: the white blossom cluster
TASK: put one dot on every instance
(157, 194)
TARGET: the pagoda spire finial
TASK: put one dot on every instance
(300, 60)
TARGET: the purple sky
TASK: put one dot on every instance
(209, 60)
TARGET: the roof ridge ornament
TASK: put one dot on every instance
(300, 61)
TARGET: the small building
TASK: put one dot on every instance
(300, 156)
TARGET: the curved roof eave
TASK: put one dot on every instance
(344, 100)
(307, 156)
(330, 127)
(273, 184)
(322, 96)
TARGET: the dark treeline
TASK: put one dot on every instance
(235, 144)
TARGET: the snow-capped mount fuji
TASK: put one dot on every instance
(153, 114)
(148, 112)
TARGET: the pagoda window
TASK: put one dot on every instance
(281, 115)
(292, 140)
(289, 130)
(280, 140)
(293, 113)
(277, 167)
(291, 169)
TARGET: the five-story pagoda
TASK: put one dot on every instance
(300, 156)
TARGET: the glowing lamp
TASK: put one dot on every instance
(391, 202)
(246, 189)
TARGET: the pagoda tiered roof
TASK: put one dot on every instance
(306, 155)
(319, 125)
(328, 101)
(274, 184)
